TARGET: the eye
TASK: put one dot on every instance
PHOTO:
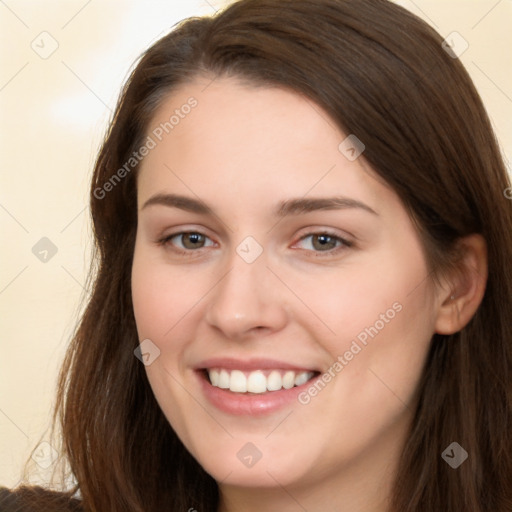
(187, 241)
(318, 242)
(324, 242)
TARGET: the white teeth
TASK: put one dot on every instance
(301, 378)
(223, 379)
(256, 381)
(238, 382)
(214, 377)
(288, 380)
(274, 381)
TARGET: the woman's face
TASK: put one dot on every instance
(267, 255)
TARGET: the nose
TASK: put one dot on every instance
(249, 300)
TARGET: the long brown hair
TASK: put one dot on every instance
(382, 74)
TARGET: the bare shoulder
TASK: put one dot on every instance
(37, 499)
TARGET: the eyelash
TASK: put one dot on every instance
(345, 244)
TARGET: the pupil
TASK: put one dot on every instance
(323, 240)
(193, 238)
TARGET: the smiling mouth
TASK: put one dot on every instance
(258, 381)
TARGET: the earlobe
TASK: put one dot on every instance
(461, 299)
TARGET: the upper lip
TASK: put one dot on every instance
(230, 363)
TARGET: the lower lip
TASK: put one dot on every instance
(249, 404)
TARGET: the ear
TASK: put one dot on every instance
(464, 289)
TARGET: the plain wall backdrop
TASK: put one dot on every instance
(62, 66)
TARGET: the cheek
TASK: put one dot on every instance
(161, 299)
(383, 331)
(380, 322)
(162, 295)
(350, 301)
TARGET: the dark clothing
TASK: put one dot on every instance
(36, 499)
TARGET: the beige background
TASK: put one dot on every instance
(53, 115)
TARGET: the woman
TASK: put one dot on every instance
(302, 297)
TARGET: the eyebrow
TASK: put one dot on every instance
(284, 208)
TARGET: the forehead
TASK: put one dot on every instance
(250, 143)
(231, 115)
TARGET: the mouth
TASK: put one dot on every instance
(259, 381)
(253, 387)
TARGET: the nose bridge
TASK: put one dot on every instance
(246, 298)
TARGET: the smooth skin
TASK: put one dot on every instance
(242, 151)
